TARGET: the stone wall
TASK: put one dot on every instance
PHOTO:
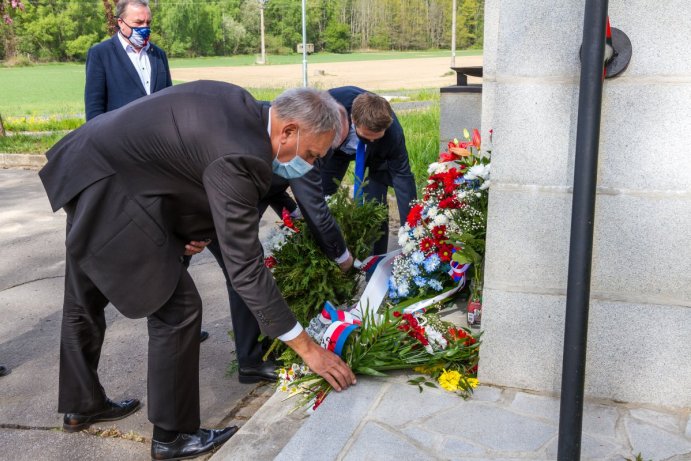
(639, 338)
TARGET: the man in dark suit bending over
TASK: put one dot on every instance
(375, 142)
(186, 164)
(127, 66)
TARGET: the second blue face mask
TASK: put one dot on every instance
(294, 168)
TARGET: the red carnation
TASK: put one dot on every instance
(287, 221)
(449, 202)
(270, 262)
(414, 215)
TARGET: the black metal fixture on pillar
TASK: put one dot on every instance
(605, 52)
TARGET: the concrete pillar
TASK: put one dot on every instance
(639, 339)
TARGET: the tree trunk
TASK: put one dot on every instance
(2, 128)
(111, 20)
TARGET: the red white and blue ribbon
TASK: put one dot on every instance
(336, 336)
(330, 314)
(369, 264)
(342, 323)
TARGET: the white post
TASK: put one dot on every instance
(453, 33)
(304, 45)
(261, 26)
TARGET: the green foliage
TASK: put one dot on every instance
(421, 128)
(307, 278)
(33, 123)
(64, 29)
(337, 38)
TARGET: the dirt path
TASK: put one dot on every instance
(373, 75)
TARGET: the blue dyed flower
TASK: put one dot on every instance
(434, 284)
(414, 270)
(419, 281)
(403, 289)
(432, 262)
(417, 257)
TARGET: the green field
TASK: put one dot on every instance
(49, 97)
(58, 89)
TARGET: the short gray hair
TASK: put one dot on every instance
(317, 111)
(123, 4)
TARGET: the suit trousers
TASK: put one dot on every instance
(248, 349)
(173, 357)
(335, 168)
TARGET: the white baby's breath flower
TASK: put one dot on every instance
(418, 232)
(432, 211)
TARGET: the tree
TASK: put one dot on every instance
(337, 38)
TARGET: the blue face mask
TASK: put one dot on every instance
(294, 168)
(139, 36)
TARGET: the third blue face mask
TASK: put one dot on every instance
(294, 168)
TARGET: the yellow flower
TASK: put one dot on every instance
(472, 382)
(449, 380)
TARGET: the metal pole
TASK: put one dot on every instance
(582, 217)
(453, 33)
(304, 45)
(261, 25)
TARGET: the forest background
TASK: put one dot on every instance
(63, 30)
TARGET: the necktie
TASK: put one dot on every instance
(359, 171)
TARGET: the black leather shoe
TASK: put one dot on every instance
(75, 422)
(266, 371)
(203, 336)
(191, 445)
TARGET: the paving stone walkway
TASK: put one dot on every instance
(388, 419)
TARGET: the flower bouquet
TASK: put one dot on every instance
(445, 230)
(304, 275)
(391, 341)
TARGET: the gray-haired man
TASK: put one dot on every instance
(186, 164)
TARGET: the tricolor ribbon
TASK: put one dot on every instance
(336, 336)
(369, 264)
(330, 314)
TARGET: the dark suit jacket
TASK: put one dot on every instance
(386, 158)
(178, 164)
(112, 81)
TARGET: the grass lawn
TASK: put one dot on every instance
(48, 97)
(58, 88)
